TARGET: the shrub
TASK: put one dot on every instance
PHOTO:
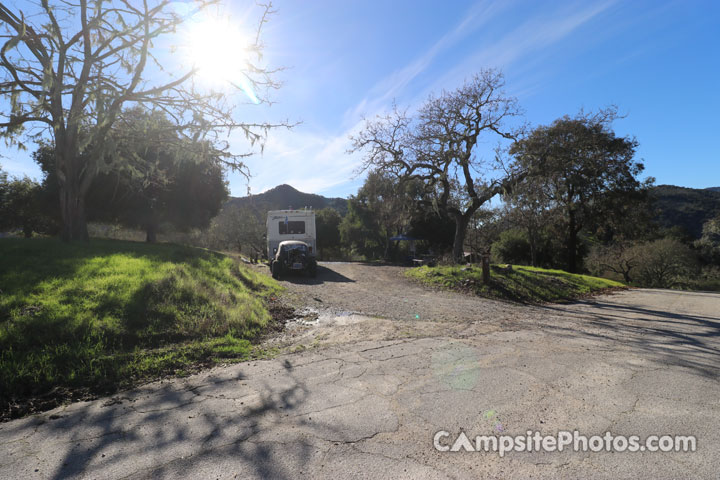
(663, 263)
(512, 247)
(709, 243)
(621, 259)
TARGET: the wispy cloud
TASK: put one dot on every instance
(529, 38)
(308, 160)
(390, 87)
(317, 161)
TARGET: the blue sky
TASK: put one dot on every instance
(657, 61)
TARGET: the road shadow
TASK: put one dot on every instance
(111, 436)
(324, 275)
(687, 340)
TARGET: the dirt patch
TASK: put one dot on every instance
(281, 313)
(350, 302)
(384, 291)
(42, 403)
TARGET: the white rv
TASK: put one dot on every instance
(290, 225)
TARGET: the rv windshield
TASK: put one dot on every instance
(291, 247)
(291, 227)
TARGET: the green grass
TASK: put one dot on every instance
(101, 316)
(521, 284)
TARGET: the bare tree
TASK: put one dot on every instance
(526, 207)
(68, 69)
(485, 228)
(621, 258)
(437, 146)
(238, 228)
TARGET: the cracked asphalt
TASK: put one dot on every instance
(369, 385)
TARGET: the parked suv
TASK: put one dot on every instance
(293, 256)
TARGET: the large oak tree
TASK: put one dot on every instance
(579, 168)
(438, 146)
(68, 70)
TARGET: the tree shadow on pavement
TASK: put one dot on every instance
(174, 426)
(687, 340)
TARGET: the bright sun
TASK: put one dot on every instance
(218, 49)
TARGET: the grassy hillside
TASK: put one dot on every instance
(78, 319)
(520, 284)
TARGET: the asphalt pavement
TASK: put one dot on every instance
(642, 362)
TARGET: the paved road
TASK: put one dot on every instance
(367, 398)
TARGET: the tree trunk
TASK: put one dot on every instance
(532, 238)
(461, 224)
(72, 195)
(486, 268)
(151, 230)
(572, 244)
(72, 209)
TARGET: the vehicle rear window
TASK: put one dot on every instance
(293, 227)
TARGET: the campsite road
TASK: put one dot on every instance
(364, 396)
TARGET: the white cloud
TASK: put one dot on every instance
(313, 161)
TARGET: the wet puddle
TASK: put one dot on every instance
(313, 317)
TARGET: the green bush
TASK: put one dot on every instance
(709, 243)
(512, 247)
(664, 263)
(708, 279)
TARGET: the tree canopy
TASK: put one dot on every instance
(382, 208)
(157, 183)
(21, 206)
(580, 168)
(68, 71)
(327, 226)
(437, 146)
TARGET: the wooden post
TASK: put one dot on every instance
(486, 268)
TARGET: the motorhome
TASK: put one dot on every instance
(291, 225)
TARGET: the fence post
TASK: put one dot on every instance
(486, 268)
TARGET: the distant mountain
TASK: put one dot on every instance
(688, 208)
(285, 197)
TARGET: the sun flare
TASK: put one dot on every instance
(218, 49)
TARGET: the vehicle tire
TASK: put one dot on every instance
(275, 269)
(312, 271)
